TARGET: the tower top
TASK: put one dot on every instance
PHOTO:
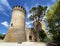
(18, 8)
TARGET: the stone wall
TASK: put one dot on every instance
(16, 32)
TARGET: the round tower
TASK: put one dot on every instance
(16, 31)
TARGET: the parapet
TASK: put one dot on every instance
(19, 8)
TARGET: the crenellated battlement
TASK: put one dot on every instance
(16, 32)
(19, 8)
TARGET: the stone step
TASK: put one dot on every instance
(8, 44)
(33, 44)
(22, 44)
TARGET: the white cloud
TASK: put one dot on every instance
(27, 10)
(26, 7)
(53, 0)
(4, 3)
(28, 24)
(5, 23)
(36, 4)
(2, 11)
(4, 33)
(48, 8)
(44, 18)
(5, 14)
(28, 15)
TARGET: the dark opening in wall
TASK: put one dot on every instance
(30, 37)
(11, 24)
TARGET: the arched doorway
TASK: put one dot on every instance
(30, 37)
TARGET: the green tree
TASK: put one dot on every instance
(53, 18)
(37, 14)
(2, 36)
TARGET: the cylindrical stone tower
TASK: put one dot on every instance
(16, 31)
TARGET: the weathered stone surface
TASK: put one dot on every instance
(16, 32)
(29, 35)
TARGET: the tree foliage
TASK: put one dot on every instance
(37, 14)
(53, 18)
(2, 36)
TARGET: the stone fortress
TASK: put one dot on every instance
(17, 31)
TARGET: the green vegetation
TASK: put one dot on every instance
(53, 18)
(2, 36)
(37, 14)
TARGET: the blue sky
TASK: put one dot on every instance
(6, 11)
